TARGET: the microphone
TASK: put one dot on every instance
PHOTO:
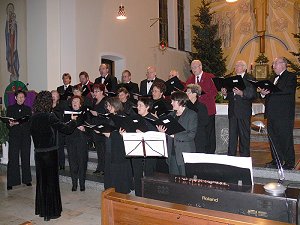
(272, 188)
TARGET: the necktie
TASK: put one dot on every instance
(150, 81)
(65, 87)
(102, 80)
(198, 79)
(276, 79)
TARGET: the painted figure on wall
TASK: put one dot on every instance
(11, 35)
(260, 9)
(226, 29)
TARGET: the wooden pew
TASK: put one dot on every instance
(131, 210)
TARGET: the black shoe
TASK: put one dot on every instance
(28, 184)
(288, 166)
(9, 188)
(61, 167)
(82, 188)
(74, 188)
(271, 164)
(96, 171)
(46, 218)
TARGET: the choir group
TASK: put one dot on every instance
(98, 114)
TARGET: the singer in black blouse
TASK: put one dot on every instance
(19, 143)
(141, 164)
(97, 110)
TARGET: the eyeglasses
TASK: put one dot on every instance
(194, 67)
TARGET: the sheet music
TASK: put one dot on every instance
(155, 144)
(71, 112)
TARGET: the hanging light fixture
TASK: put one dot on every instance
(231, 1)
(121, 13)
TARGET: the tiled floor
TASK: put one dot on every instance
(17, 205)
(79, 208)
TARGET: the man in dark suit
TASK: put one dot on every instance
(65, 91)
(239, 112)
(280, 112)
(146, 85)
(128, 84)
(209, 90)
(107, 79)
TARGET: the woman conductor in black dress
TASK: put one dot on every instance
(43, 131)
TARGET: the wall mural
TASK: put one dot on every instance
(251, 27)
(11, 38)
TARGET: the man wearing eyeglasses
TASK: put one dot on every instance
(207, 97)
(280, 113)
(239, 112)
(146, 85)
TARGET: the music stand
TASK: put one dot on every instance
(222, 168)
(148, 144)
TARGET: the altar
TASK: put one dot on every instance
(221, 124)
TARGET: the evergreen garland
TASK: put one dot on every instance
(295, 67)
(207, 44)
(3, 129)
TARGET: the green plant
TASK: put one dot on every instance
(262, 59)
(220, 98)
(207, 45)
(3, 129)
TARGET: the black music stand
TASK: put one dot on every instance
(148, 144)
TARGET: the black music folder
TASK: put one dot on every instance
(265, 84)
(160, 108)
(22, 119)
(105, 128)
(138, 123)
(102, 128)
(172, 125)
(137, 96)
(111, 94)
(229, 83)
(173, 84)
(128, 123)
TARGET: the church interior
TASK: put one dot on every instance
(48, 38)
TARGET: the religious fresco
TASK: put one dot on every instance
(11, 38)
(250, 27)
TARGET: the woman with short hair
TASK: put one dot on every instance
(183, 141)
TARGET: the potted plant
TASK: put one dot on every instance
(3, 129)
(4, 138)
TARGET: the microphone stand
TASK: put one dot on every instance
(273, 188)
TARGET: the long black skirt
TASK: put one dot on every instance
(47, 200)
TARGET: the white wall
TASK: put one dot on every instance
(73, 35)
(37, 44)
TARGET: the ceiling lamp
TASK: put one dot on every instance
(121, 13)
(231, 1)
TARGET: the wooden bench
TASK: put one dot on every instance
(131, 210)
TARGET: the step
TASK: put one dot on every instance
(258, 137)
